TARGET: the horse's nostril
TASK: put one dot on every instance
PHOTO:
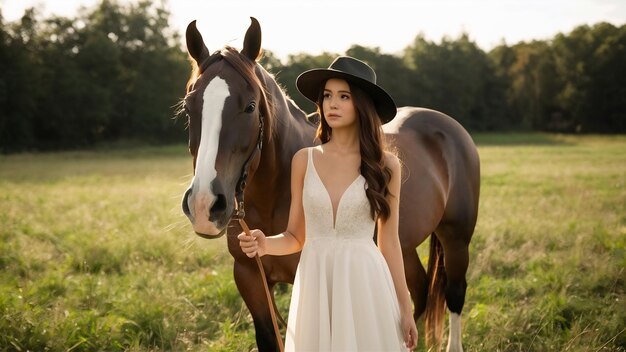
(186, 202)
(220, 204)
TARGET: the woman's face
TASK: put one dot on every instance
(337, 105)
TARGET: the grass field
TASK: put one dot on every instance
(95, 254)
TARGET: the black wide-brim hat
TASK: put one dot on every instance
(354, 71)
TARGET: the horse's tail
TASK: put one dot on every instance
(436, 301)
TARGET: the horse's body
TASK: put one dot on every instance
(439, 191)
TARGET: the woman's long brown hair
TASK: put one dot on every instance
(372, 146)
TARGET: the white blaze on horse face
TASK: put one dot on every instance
(454, 337)
(214, 97)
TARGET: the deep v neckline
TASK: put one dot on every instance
(334, 211)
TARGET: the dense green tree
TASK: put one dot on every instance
(457, 78)
(74, 105)
(113, 72)
(590, 60)
(19, 82)
(605, 109)
(532, 87)
(504, 57)
(148, 65)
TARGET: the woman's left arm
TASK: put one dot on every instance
(389, 245)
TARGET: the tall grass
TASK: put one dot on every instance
(549, 251)
(95, 254)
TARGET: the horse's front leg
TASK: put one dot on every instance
(250, 285)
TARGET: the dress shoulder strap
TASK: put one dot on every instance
(309, 159)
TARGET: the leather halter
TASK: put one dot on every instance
(240, 213)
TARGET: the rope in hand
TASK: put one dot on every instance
(268, 295)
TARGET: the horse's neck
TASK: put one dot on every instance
(291, 132)
(268, 191)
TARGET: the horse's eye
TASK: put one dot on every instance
(250, 108)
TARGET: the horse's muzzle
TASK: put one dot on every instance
(206, 213)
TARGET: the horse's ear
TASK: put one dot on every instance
(252, 41)
(195, 43)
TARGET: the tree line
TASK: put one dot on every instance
(116, 72)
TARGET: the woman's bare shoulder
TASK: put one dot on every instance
(299, 159)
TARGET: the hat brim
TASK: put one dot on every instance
(309, 83)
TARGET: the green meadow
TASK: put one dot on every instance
(96, 255)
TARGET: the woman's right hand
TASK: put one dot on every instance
(254, 244)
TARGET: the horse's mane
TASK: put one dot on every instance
(246, 68)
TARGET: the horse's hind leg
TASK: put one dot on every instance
(455, 233)
(456, 260)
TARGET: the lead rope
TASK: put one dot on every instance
(240, 214)
(270, 305)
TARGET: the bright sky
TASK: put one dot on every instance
(391, 25)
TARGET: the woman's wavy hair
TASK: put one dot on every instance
(372, 146)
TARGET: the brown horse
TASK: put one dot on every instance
(243, 132)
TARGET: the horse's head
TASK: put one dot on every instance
(226, 106)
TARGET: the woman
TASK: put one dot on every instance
(348, 295)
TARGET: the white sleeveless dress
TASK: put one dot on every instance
(343, 298)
